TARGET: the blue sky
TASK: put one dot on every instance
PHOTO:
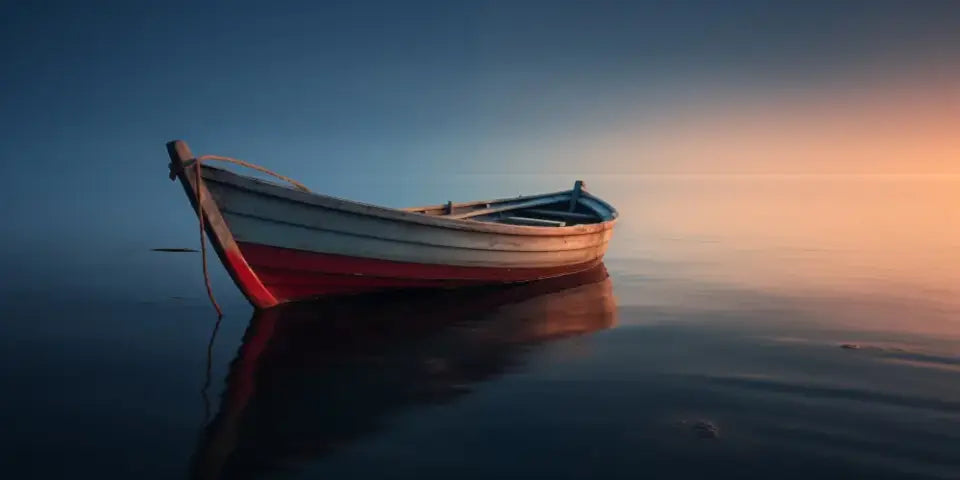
(318, 90)
(357, 85)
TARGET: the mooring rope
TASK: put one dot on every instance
(296, 184)
(199, 182)
(203, 239)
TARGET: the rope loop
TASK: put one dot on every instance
(296, 184)
(203, 242)
(199, 189)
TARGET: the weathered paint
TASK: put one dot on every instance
(283, 235)
(217, 175)
(253, 207)
(218, 233)
(293, 274)
(281, 245)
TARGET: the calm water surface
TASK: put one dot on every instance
(715, 347)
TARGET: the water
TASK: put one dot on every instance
(750, 327)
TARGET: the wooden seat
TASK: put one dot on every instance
(536, 222)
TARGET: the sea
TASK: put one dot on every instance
(743, 326)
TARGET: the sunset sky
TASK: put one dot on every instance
(314, 87)
(320, 89)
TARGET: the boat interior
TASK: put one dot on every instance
(561, 209)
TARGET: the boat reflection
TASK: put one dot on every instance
(309, 379)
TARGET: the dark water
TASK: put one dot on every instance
(714, 348)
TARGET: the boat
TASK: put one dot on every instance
(283, 244)
(310, 380)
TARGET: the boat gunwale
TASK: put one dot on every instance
(424, 243)
(262, 187)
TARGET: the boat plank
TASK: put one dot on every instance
(474, 203)
(599, 206)
(512, 206)
(561, 214)
(515, 220)
(264, 232)
(247, 183)
(266, 258)
(245, 203)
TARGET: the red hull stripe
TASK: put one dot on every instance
(259, 256)
(302, 292)
(247, 280)
(273, 276)
(291, 274)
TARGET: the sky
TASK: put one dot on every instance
(324, 90)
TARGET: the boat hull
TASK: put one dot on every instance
(281, 245)
(291, 274)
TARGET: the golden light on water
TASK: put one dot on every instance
(849, 239)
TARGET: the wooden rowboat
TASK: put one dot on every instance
(280, 244)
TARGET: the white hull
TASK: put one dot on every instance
(275, 216)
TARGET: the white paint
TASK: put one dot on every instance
(277, 216)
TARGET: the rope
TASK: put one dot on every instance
(207, 376)
(199, 181)
(298, 185)
(203, 240)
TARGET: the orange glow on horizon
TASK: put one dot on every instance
(905, 127)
